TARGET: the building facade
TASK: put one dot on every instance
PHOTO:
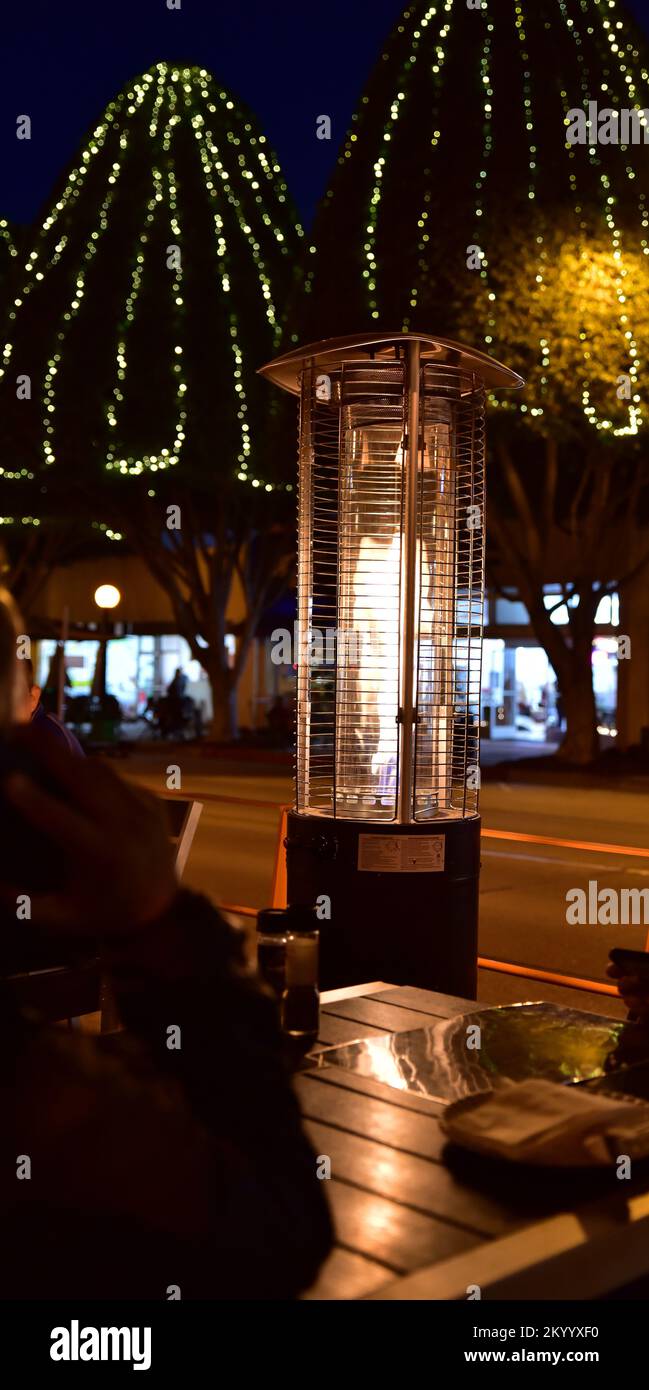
(519, 697)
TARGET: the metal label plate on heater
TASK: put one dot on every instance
(401, 854)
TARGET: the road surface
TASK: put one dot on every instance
(523, 884)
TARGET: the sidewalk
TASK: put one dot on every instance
(514, 760)
(501, 760)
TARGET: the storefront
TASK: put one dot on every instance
(520, 695)
(137, 669)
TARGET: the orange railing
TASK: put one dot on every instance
(634, 850)
(529, 972)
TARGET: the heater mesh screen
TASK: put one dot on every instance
(451, 594)
(370, 507)
(317, 592)
(351, 527)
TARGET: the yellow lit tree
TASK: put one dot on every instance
(461, 205)
(572, 481)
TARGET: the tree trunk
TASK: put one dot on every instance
(224, 725)
(98, 685)
(572, 663)
(581, 742)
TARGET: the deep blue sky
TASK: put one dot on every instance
(63, 60)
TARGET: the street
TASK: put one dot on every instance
(523, 885)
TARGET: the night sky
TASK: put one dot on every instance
(290, 61)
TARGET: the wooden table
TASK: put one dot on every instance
(410, 1227)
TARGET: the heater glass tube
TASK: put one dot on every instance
(369, 618)
(372, 626)
(435, 696)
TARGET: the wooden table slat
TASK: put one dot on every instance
(394, 1235)
(335, 1031)
(404, 1130)
(389, 1018)
(331, 1075)
(329, 996)
(416, 1182)
(347, 1275)
(582, 1254)
(426, 1001)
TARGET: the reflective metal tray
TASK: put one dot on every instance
(450, 1059)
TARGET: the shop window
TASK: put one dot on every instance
(559, 614)
(511, 613)
(608, 612)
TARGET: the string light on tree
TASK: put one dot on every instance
(175, 162)
(453, 145)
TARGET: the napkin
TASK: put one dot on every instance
(542, 1122)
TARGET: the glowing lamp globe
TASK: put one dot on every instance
(107, 596)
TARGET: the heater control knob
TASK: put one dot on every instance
(325, 846)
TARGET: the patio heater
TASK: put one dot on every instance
(385, 836)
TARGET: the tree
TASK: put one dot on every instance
(198, 569)
(8, 248)
(153, 291)
(30, 550)
(27, 548)
(568, 491)
(461, 205)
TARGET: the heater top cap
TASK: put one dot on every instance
(386, 347)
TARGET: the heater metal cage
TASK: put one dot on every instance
(389, 671)
(391, 534)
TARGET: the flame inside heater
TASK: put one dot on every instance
(380, 650)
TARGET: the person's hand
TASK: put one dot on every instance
(113, 840)
(633, 990)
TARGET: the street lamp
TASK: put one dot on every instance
(107, 596)
(385, 834)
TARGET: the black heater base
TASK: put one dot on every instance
(402, 899)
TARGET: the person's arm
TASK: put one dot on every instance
(206, 1152)
(183, 987)
(633, 990)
